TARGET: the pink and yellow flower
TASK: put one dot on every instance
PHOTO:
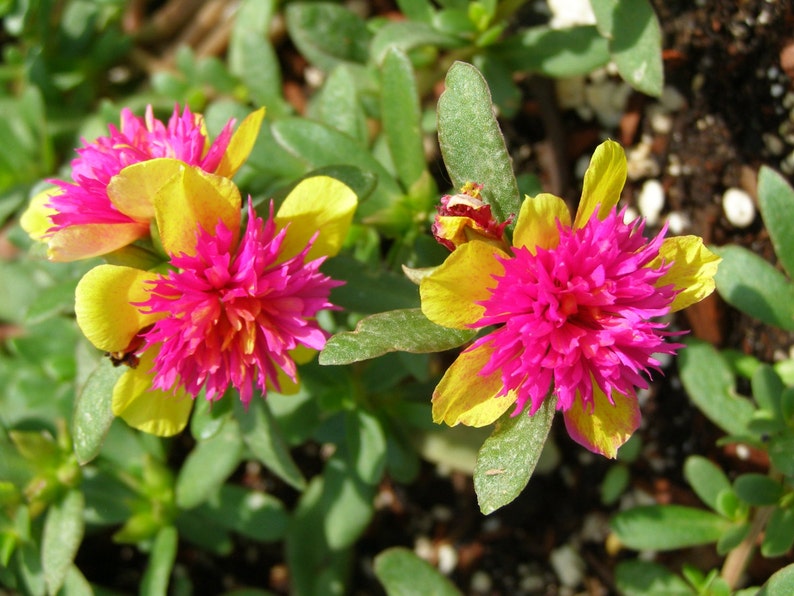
(93, 215)
(465, 216)
(575, 307)
(236, 311)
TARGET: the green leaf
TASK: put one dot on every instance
(706, 479)
(209, 464)
(161, 562)
(556, 53)
(327, 34)
(251, 513)
(776, 201)
(347, 503)
(635, 42)
(338, 106)
(780, 584)
(30, 571)
(367, 289)
(319, 145)
(398, 330)
(779, 533)
(614, 483)
(407, 35)
(643, 578)
(315, 567)
(366, 441)
(709, 382)
(63, 532)
(93, 413)
(401, 117)
(751, 284)
(508, 457)
(262, 435)
(209, 416)
(402, 573)
(767, 387)
(472, 143)
(781, 453)
(416, 10)
(76, 584)
(732, 537)
(758, 489)
(667, 527)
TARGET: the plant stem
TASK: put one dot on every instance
(737, 560)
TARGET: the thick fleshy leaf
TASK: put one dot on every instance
(63, 532)
(103, 305)
(692, 271)
(635, 577)
(753, 285)
(603, 182)
(209, 465)
(241, 144)
(450, 294)
(153, 411)
(508, 457)
(93, 413)
(472, 144)
(398, 330)
(92, 240)
(347, 501)
(403, 573)
(667, 527)
(132, 190)
(193, 199)
(161, 562)
(464, 396)
(538, 220)
(776, 201)
(35, 220)
(604, 429)
(709, 381)
(707, 479)
(319, 205)
(401, 114)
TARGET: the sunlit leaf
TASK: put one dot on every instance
(403, 573)
(667, 527)
(508, 457)
(63, 532)
(776, 201)
(93, 414)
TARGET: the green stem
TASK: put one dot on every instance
(737, 560)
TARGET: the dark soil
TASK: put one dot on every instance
(729, 61)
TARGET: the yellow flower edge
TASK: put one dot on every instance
(692, 270)
(536, 226)
(603, 182)
(607, 426)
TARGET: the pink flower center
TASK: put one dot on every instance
(579, 314)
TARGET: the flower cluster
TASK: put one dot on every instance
(231, 302)
(576, 310)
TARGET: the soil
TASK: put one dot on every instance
(732, 66)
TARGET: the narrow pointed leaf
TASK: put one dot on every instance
(405, 330)
(93, 413)
(471, 142)
(509, 456)
(161, 561)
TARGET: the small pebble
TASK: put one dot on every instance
(481, 582)
(447, 558)
(677, 223)
(651, 201)
(568, 565)
(738, 207)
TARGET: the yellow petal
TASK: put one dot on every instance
(83, 242)
(241, 144)
(319, 203)
(465, 397)
(537, 222)
(451, 292)
(103, 309)
(36, 218)
(603, 182)
(133, 189)
(604, 429)
(153, 411)
(692, 272)
(193, 199)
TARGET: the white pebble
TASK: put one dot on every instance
(651, 201)
(738, 207)
(742, 452)
(568, 565)
(447, 558)
(660, 119)
(677, 223)
(481, 582)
